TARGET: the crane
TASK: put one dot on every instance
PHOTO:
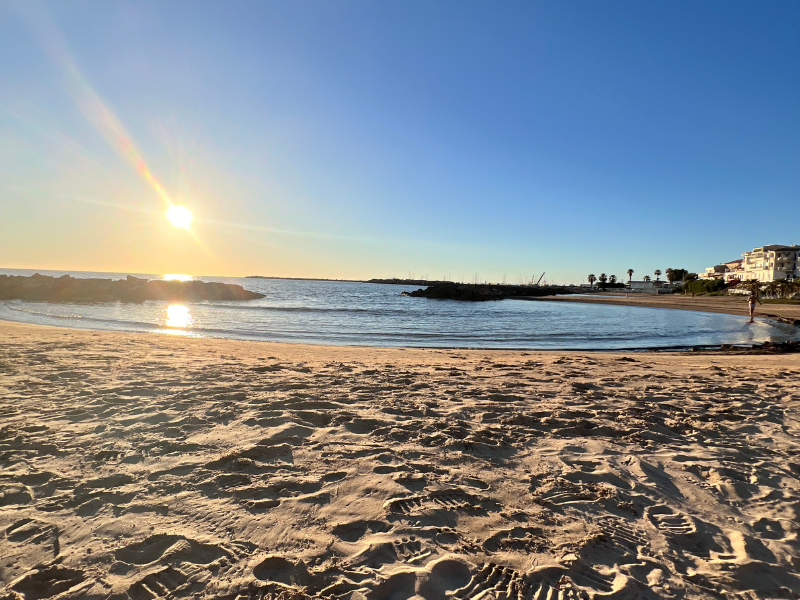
(540, 279)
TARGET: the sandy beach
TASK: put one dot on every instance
(731, 305)
(155, 466)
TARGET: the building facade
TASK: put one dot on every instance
(729, 271)
(764, 264)
(769, 263)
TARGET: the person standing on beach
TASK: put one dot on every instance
(751, 303)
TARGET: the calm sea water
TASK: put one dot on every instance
(346, 313)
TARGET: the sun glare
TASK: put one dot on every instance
(178, 316)
(176, 277)
(179, 216)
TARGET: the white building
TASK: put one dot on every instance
(769, 263)
(729, 271)
(649, 287)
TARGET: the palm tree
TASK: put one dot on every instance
(646, 278)
(612, 279)
(657, 274)
(630, 275)
(771, 288)
(591, 279)
(783, 286)
(602, 279)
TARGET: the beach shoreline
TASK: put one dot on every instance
(730, 305)
(138, 466)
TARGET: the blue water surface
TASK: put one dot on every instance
(363, 314)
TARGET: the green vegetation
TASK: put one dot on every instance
(674, 275)
(704, 286)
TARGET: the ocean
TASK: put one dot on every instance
(364, 314)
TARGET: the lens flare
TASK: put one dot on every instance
(179, 216)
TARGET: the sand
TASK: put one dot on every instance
(731, 305)
(144, 466)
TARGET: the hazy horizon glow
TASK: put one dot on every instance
(358, 140)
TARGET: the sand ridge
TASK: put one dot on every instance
(142, 466)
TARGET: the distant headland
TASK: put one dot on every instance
(44, 288)
(298, 278)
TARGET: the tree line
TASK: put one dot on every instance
(673, 275)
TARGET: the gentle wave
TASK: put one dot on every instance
(44, 314)
(314, 309)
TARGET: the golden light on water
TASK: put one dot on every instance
(179, 216)
(176, 277)
(178, 316)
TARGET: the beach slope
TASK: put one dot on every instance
(145, 466)
(730, 305)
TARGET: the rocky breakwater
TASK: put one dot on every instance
(482, 292)
(43, 288)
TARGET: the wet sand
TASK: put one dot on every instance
(731, 305)
(145, 466)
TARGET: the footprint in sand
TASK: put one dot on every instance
(620, 538)
(355, 530)
(700, 539)
(669, 521)
(769, 529)
(492, 578)
(28, 543)
(561, 492)
(411, 550)
(597, 581)
(436, 581)
(521, 539)
(47, 582)
(161, 584)
(588, 578)
(574, 582)
(11, 494)
(279, 569)
(500, 582)
(169, 547)
(454, 499)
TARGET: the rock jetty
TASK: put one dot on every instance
(483, 292)
(43, 288)
(396, 281)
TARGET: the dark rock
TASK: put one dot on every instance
(396, 281)
(482, 292)
(43, 288)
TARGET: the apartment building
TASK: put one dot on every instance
(769, 263)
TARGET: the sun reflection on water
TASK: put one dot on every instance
(179, 317)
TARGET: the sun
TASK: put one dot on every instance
(179, 216)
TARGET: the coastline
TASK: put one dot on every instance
(715, 304)
(135, 466)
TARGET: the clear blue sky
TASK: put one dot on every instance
(361, 139)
